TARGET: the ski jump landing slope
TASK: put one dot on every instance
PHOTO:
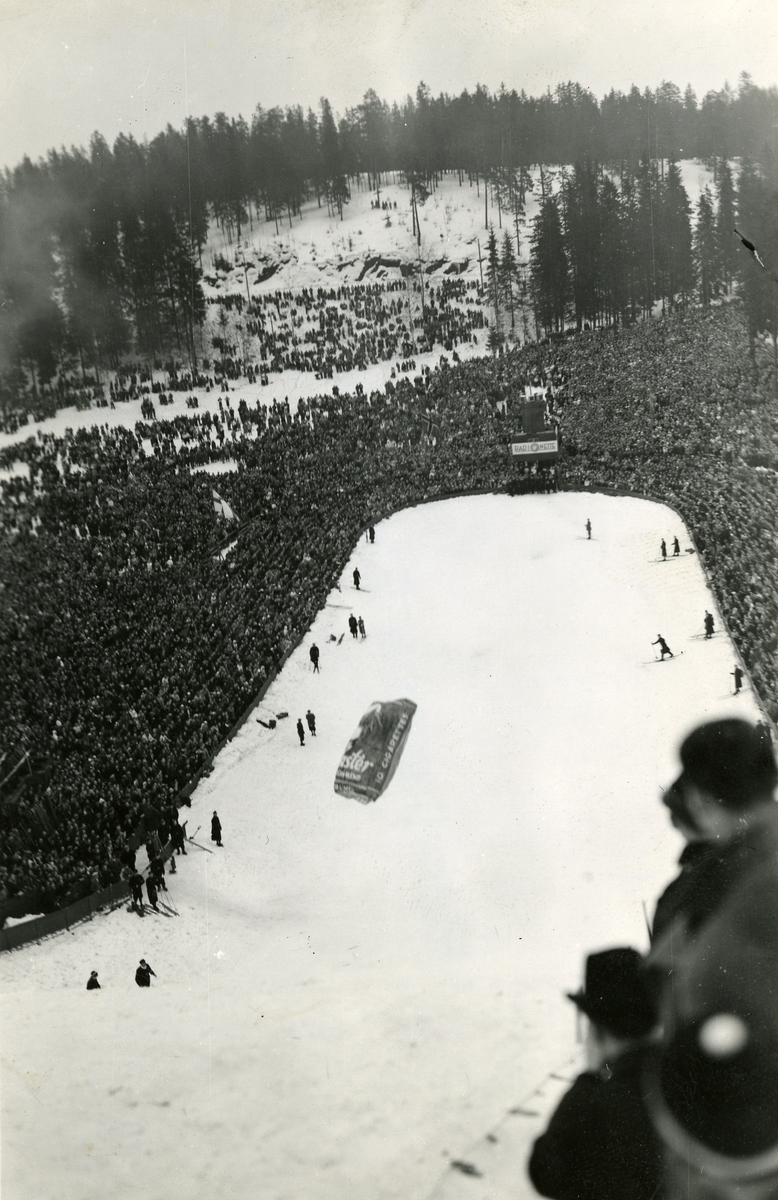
(351, 997)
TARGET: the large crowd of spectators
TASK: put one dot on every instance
(137, 622)
(327, 331)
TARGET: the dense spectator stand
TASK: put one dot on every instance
(131, 646)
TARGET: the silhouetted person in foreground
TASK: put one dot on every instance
(92, 983)
(600, 1144)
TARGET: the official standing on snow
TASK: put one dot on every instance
(714, 1087)
(136, 890)
(314, 656)
(301, 731)
(352, 624)
(676, 547)
(143, 974)
(216, 829)
(588, 529)
(357, 578)
(663, 549)
(371, 531)
(600, 1143)
(92, 983)
(311, 722)
(663, 647)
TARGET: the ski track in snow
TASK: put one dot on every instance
(353, 996)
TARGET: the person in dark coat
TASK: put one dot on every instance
(151, 889)
(676, 547)
(216, 829)
(361, 626)
(663, 647)
(157, 873)
(314, 655)
(737, 675)
(352, 624)
(136, 891)
(310, 720)
(143, 974)
(600, 1143)
(371, 531)
(714, 953)
(178, 838)
(301, 731)
(663, 548)
(357, 578)
(709, 626)
(588, 529)
(92, 983)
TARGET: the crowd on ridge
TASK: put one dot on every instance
(137, 622)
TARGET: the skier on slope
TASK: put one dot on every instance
(676, 547)
(663, 647)
(361, 627)
(708, 625)
(663, 549)
(738, 677)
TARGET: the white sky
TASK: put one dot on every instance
(70, 67)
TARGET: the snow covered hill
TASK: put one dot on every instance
(349, 997)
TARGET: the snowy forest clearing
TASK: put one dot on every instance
(351, 997)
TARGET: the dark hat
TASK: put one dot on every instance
(725, 1097)
(730, 759)
(92, 973)
(616, 993)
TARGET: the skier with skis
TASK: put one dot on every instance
(663, 549)
(708, 625)
(663, 647)
(738, 677)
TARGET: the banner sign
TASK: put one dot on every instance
(536, 447)
(374, 750)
